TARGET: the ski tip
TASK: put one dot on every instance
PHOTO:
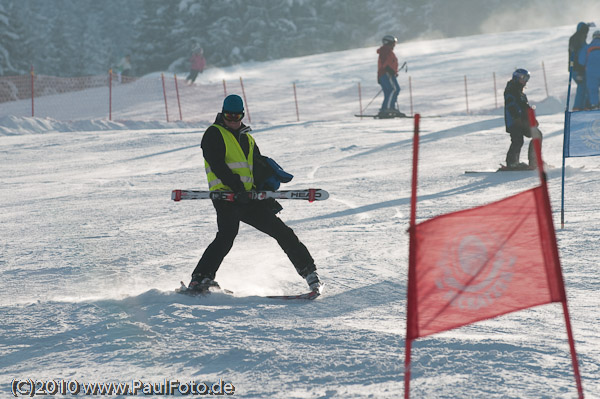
(176, 195)
(315, 194)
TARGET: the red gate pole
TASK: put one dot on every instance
(162, 75)
(177, 91)
(245, 101)
(32, 93)
(296, 101)
(411, 294)
(360, 100)
(466, 94)
(110, 94)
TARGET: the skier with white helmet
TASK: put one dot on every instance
(387, 71)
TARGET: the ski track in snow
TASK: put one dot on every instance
(93, 247)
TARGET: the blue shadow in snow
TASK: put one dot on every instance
(490, 180)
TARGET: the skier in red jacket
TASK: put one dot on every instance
(198, 63)
(387, 71)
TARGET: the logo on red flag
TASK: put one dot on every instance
(474, 271)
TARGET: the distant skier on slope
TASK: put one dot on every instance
(387, 71)
(198, 62)
(231, 157)
(516, 118)
(123, 67)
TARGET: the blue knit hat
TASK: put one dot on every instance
(233, 104)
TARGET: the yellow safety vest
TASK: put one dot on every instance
(235, 159)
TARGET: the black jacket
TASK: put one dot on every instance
(213, 149)
(516, 107)
(576, 42)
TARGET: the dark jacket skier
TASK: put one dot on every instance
(516, 119)
(230, 155)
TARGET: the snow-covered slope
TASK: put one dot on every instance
(93, 247)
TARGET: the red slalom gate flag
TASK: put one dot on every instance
(483, 262)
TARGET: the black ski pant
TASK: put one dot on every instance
(260, 216)
(193, 75)
(514, 151)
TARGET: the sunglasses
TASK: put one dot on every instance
(233, 117)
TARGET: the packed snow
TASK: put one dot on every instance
(93, 246)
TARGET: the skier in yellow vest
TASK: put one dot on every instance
(230, 153)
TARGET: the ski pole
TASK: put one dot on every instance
(373, 99)
(405, 66)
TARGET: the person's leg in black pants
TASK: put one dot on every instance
(514, 151)
(258, 215)
(228, 223)
(263, 219)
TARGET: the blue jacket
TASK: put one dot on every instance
(590, 57)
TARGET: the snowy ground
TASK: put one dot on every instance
(93, 246)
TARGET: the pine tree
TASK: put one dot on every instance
(9, 42)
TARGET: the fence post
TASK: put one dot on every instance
(495, 90)
(110, 94)
(162, 75)
(545, 80)
(360, 101)
(178, 101)
(32, 93)
(224, 88)
(410, 94)
(296, 101)
(245, 101)
(466, 94)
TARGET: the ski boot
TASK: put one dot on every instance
(314, 282)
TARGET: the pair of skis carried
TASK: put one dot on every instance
(311, 194)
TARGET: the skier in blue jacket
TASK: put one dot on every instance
(590, 57)
(576, 43)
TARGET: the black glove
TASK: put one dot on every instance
(242, 197)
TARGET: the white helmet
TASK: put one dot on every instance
(389, 39)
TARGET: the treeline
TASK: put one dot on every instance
(87, 37)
